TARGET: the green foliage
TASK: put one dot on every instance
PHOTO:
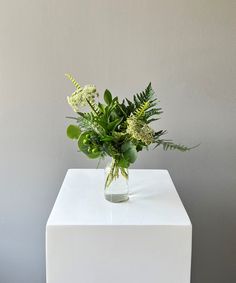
(169, 145)
(130, 155)
(118, 129)
(126, 146)
(141, 111)
(145, 105)
(87, 122)
(73, 132)
(107, 97)
(123, 162)
(145, 96)
(87, 143)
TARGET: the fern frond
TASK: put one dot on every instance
(145, 96)
(158, 134)
(140, 112)
(145, 103)
(169, 145)
(152, 112)
(73, 80)
(87, 122)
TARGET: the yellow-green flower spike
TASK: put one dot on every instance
(81, 96)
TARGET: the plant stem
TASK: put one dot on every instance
(114, 172)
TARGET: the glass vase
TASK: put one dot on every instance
(116, 183)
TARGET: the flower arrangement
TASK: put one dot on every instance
(116, 129)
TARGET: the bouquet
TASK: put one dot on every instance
(119, 129)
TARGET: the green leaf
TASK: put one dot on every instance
(116, 99)
(123, 163)
(107, 97)
(169, 145)
(152, 112)
(145, 105)
(152, 120)
(126, 146)
(129, 151)
(130, 155)
(101, 107)
(107, 138)
(112, 125)
(73, 132)
(88, 122)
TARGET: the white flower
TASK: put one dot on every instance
(90, 89)
(138, 130)
(81, 96)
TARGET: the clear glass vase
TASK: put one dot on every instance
(116, 183)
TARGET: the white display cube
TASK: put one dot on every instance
(144, 240)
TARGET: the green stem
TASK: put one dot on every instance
(92, 107)
(114, 172)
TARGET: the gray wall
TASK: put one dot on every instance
(184, 47)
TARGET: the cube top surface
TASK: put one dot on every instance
(153, 200)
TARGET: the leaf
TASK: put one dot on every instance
(73, 132)
(169, 145)
(107, 138)
(130, 155)
(111, 126)
(131, 105)
(101, 107)
(122, 110)
(152, 120)
(123, 163)
(129, 151)
(145, 105)
(139, 112)
(145, 96)
(152, 112)
(159, 134)
(88, 122)
(107, 97)
(126, 146)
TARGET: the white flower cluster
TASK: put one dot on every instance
(81, 95)
(139, 130)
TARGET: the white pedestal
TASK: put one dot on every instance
(144, 240)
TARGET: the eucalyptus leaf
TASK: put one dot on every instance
(126, 146)
(130, 155)
(73, 132)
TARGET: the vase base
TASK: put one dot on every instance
(116, 197)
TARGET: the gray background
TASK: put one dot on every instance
(184, 47)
